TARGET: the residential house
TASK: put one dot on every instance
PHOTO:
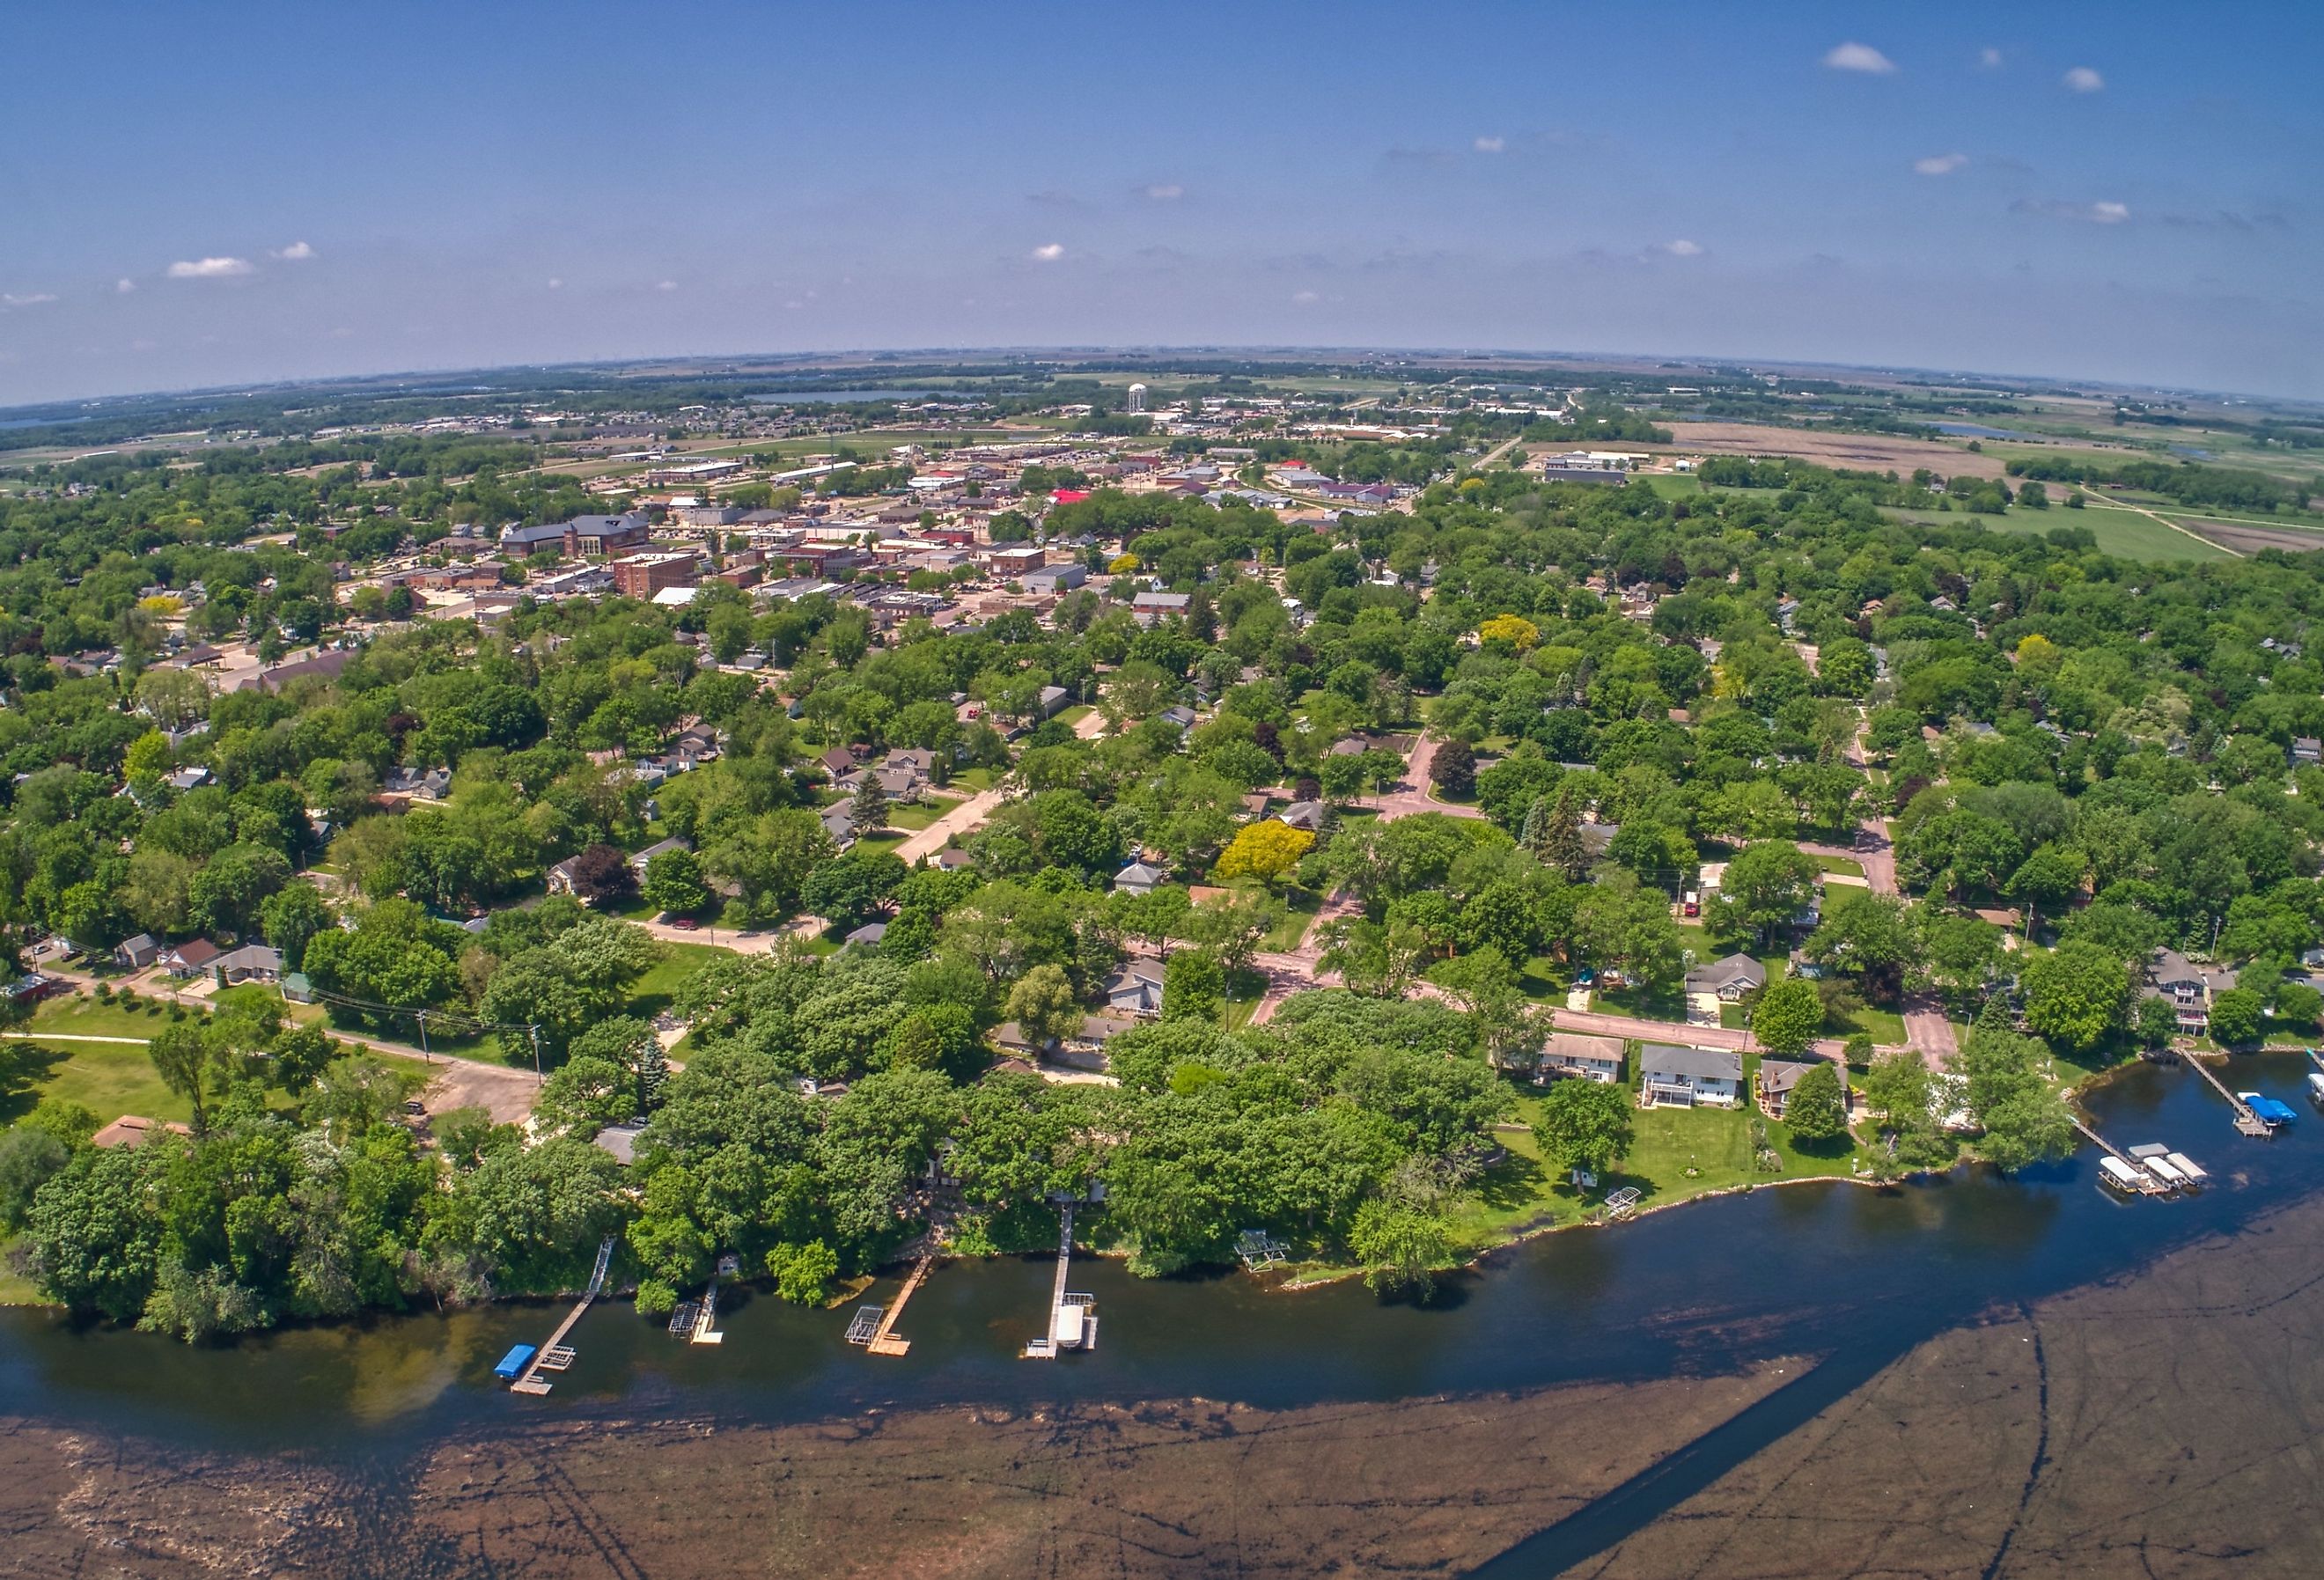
(1306, 815)
(1777, 1077)
(1684, 1078)
(866, 936)
(1180, 718)
(2307, 752)
(1591, 1059)
(1137, 878)
(2188, 987)
(189, 959)
(250, 963)
(1136, 989)
(839, 822)
(132, 1130)
(137, 953)
(429, 784)
(1149, 606)
(1728, 980)
(1053, 701)
(644, 859)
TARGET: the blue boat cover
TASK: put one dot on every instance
(513, 1364)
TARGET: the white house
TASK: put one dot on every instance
(1684, 1078)
(1591, 1059)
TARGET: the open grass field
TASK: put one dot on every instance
(2125, 533)
(1527, 1193)
(109, 1078)
(914, 818)
(651, 993)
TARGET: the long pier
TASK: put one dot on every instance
(2247, 1123)
(883, 1340)
(554, 1356)
(1073, 1324)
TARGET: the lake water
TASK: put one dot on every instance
(1859, 1275)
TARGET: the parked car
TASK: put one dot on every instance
(685, 924)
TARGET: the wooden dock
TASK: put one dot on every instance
(556, 1356)
(1073, 1319)
(2248, 1123)
(883, 1340)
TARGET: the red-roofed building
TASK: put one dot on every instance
(1069, 496)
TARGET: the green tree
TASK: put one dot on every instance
(1045, 1006)
(1193, 984)
(1789, 1015)
(95, 1234)
(1817, 1109)
(867, 810)
(1585, 1125)
(674, 883)
(802, 1273)
(2236, 1016)
(187, 1060)
(1403, 1247)
(2076, 995)
(1765, 886)
(2023, 1116)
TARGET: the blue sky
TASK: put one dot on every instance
(199, 194)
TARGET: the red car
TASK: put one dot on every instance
(685, 924)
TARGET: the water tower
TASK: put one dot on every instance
(1137, 398)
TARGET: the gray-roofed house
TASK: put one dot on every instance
(1684, 1078)
(1729, 979)
(620, 1142)
(136, 953)
(659, 847)
(1591, 1059)
(1308, 815)
(2307, 750)
(250, 963)
(2188, 986)
(1777, 1077)
(1136, 989)
(866, 936)
(1053, 700)
(1137, 878)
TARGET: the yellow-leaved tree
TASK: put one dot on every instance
(1265, 850)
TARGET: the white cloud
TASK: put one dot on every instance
(125, 285)
(2104, 213)
(296, 252)
(1855, 57)
(32, 298)
(1990, 58)
(666, 285)
(1491, 144)
(1683, 248)
(208, 268)
(1940, 164)
(2084, 79)
(1304, 297)
(1166, 192)
(1049, 253)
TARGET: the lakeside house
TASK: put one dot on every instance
(1688, 1077)
(2190, 988)
(1576, 1055)
(1775, 1081)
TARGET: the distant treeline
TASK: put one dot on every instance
(2187, 483)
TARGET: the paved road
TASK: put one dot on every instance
(1411, 797)
(971, 814)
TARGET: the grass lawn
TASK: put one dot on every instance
(1075, 713)
(914, 818)
(651, 993)
(1286, 934)
(974, 778)
(2125, 533)
(1836, 864)
(111, 1079)
(1525, 1192)
(85, 1017)
(1887, 1027)
(1543, 977)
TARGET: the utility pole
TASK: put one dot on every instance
(425, 1057)
(534, 1028)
